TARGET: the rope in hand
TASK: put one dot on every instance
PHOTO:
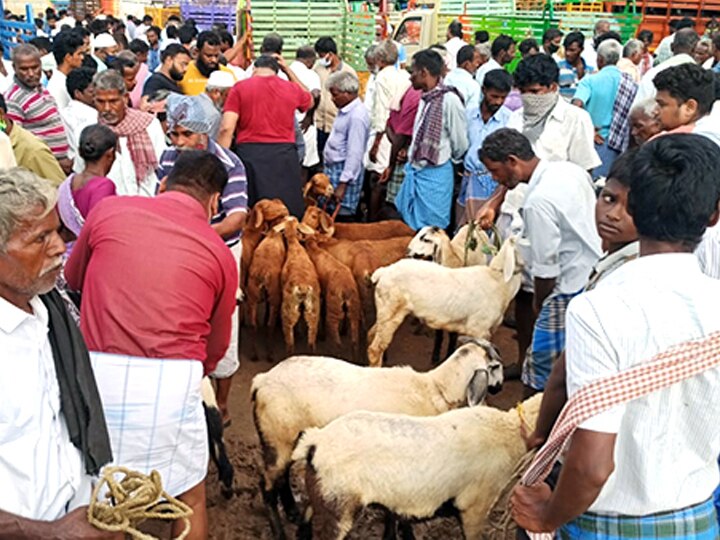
(133, 499)
(471, 242)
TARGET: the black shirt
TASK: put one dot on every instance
(158, 84)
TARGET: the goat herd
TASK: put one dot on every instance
(387, 436)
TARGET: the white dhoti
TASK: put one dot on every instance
(383, 155)
(154, 414)
(230, 363)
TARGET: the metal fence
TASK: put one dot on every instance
(12, 33)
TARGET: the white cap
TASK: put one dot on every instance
(220, 79)
(104, 41)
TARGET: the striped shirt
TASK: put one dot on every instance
(35, 110)
(234, 196)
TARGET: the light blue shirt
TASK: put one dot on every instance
(466, 85)
(348, 139)
(568, 77)
(479, 184)
(598, 92)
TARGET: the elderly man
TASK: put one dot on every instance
(49, 393)
(632, 57)
(261, 111)
(155, 338)
(189, 128)
(214, 97)
(31, 106)
(607, 97)
(463, 76)
(140, 137)
(644, 122)
(439, 140)
(207, 61)
(346, 145)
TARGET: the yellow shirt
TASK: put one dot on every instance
(34, 155)
(193, 83)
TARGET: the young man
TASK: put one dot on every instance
(305, 58)
(573, 67)
(346, 145)
(502, 52)
(463, 76)
(175, 62)
(69, 52)
(81, 111)
(528, 47)
(153, 340)
(454, 43)
(551, 42)
(207, 61)
(153, 38)
(559, 235)
(439, 139)
(614, 478)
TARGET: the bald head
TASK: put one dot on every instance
(684, 41)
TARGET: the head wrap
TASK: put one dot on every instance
(188, 112)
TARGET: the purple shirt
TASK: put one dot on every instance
(348, 140)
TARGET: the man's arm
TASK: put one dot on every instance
(231, 224)
(290, 73)
(227, 128)
(543, 288)
(398, 142)
(489, 210)
(553, 401)
(588, 464)
(307, 121)
(73, 526)
(221, 319)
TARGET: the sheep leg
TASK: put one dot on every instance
(381, 335)
(273, 307)
(333, 316)
(270, 498)
(437, 347)
(452, 343)
(406, 530)
(287, 499)
(326, 515)
(390, 532)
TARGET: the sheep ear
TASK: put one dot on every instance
(478, 388)
(509, 262)
(258, 217)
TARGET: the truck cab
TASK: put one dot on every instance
(417, 29)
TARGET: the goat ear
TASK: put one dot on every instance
(326, 224)
(308, 187)
(509, 262)
(478, 387)
(258, 217)
(306, 230)
(280, 227)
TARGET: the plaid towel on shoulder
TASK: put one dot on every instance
(427, 139)
(619, 136)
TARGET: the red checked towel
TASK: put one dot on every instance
(678, 363)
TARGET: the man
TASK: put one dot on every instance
(685, 97)
(29, 151)
(613, 477)
(69, 52)
(644, 122)
(153, 341)
(502, 51)
(453, 44)
(31, 106)
(140, 137)
(528, 47)
(303, 68)
(463, 76)
(143, 28)
(213, 99)
(439, 140)
(207, 61)
(491, 115)
(153, 38)
(104, 50)
(481, 36)
(607, 97)
(390, 86)
(49, 392)
(175, 63)
(560, 231)
(602, 27)
(6, 71)
(703, 53)
(573, 67)
(328, 63)
(140, 49)
(126, 64)
(716, 53)
(664, 49)
(551, 42)
(189, 129)
(632, 56)
(683, 45)
(81, 111)
(346, 145)
(261, 111)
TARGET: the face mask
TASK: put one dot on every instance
(552, 48)
(536, 107)
(110, 58)
(325, 61)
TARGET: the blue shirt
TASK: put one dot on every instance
(479, 183)
(466, 85)
(348, 140)
(234, 196)
(598, 92)
(568, 79)
(153, 60)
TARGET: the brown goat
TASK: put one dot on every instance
(266, 213)
(319, 220)
(340, 292)
(301, 287)
(318, 186)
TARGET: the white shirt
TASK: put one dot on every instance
(465, 83)
(58, 90)
(559, 218)
(646, 88)
(668, 442)
(484, 69)
(589, 54)
(311, 80)
(391, 84)
(369, 92)
(664, 48)
(708, 126)
(41, 472)
(6, 82)
(75, 117)
(452, 47)
(708, 252)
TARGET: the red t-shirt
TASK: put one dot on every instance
(266, 108)
(157, 281)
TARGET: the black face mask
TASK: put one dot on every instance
(551, 48)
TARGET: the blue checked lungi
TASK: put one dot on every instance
(350, 201)
(155, 418)
(548, 341)
(697, 522)
(425, 196)
(394, 183)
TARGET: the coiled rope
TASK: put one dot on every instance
(131, 500)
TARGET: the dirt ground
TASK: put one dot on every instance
(243, 517)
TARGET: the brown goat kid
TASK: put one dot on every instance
(265, 214)
(320, 221)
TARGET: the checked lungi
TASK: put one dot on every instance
(155, 418)
(697, 522)
(548, 341)
(350, 201)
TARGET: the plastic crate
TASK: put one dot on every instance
(210, 13)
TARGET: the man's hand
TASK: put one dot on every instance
(374, 150)
(599, 138)
(385, 175)
(281, 62)
(306, 123)
(528, 505)
(340, 191)
(75, 526)
(485, 217)
(402, 156)
(533, 439)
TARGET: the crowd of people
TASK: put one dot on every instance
(130, 155)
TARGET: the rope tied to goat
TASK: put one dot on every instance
(133, 499)
(471, 241)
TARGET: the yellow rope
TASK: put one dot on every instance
(132, 500)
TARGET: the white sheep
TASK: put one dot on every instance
(433, 244)
(410, 465)
(470, 301)
(311, 391)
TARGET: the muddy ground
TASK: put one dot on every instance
(243, 517)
